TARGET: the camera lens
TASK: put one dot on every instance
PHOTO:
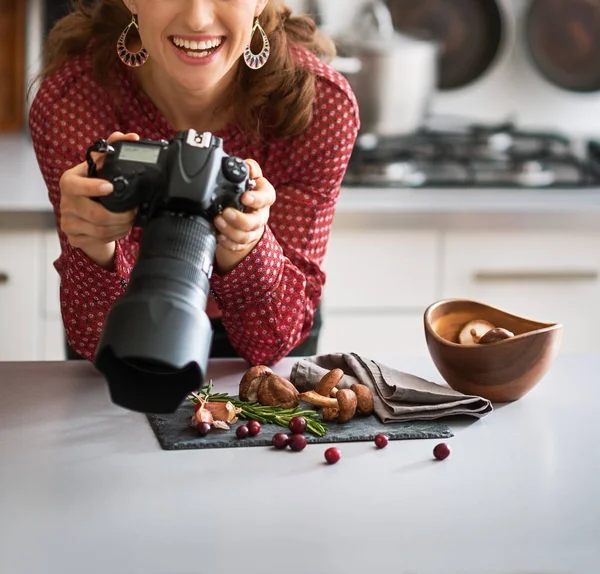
(157, 336)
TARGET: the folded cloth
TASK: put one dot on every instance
(397, 396)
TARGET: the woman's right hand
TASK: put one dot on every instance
(87, 224)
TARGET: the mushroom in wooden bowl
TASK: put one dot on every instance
(485, 351)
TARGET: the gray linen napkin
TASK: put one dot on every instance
(397, 396)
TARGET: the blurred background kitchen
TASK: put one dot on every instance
(476, 174)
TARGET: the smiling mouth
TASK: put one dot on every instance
(195, 49)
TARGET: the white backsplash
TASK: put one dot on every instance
(512, 88)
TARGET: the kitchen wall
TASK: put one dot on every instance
(511, 89)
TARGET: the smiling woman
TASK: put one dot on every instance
(248, 71)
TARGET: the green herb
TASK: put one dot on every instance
(261, 413)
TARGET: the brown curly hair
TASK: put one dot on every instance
(277, 99)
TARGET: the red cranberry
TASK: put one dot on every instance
(332, 455)
(381, 441)
(242, 431)
(297, 442)
(297, 425)
(203, 429)
(253, 428)
(280, 440)
(441, 451)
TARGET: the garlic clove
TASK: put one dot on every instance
(222, 411)
(202, 415)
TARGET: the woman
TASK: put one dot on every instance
(249, 72)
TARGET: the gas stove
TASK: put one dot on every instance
(476, 155)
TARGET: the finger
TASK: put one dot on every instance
(262, 196)
(233, 219)
(94, 212)
(80, 229)
(255, 169)
(75, 182)
(115, 136)
(97, 214)
(240, 237)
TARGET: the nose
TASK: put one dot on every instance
(199, 14)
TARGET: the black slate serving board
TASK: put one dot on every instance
(174, 432)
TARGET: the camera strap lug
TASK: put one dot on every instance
(99, 146)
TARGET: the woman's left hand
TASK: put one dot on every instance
(239, 232)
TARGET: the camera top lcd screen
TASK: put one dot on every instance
(140, 153)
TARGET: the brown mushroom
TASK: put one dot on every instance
(330, 414)
(275, 391)
(495, 335)
(250, 381)
(314, 398)
(327, 384)
(364, 398)
(473, 331)
(347, 403)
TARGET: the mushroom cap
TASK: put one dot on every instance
(495, 335)
(364, 398)
(250, 381)
(347, 403)
(275, 391)
(329, 381)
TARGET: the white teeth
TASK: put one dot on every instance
(193, 45)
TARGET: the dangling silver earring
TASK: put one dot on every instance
(132, 59)
(256, 61)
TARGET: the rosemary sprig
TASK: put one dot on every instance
(261, 413)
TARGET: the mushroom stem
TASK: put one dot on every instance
(314, 398)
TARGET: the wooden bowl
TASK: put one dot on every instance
(501, 372)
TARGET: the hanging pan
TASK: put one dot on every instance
(468, 31)
(563, 37)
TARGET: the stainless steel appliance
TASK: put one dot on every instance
(393, 75)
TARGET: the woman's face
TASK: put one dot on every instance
(196, 42)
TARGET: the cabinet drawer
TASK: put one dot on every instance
(373, 335)
(369, 269)
(549, 277)
(19, 296)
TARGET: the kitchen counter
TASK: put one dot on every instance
(23, 193)
(86, 488)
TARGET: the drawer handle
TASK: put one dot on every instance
(3, 278)
(555, 276)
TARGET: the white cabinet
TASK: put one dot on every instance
(546, 276)
(379, 282)
(374, 335)
(20, 282)
(30, 323)
(53, 338)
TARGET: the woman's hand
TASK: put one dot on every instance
(238, 233)
(87, 224)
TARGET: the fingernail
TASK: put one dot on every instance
(220, 223)
(250, 198)
(106, 187)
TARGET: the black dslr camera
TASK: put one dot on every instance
(156, 340)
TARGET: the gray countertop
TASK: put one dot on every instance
(22, 191)
(85, 487)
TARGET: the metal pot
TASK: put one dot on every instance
(393, 75)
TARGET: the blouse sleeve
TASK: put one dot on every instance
(62, 127)
(269, 300)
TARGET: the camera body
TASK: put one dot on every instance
(156, 340)
(191, 174)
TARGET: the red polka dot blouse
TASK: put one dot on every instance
(267, 303)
